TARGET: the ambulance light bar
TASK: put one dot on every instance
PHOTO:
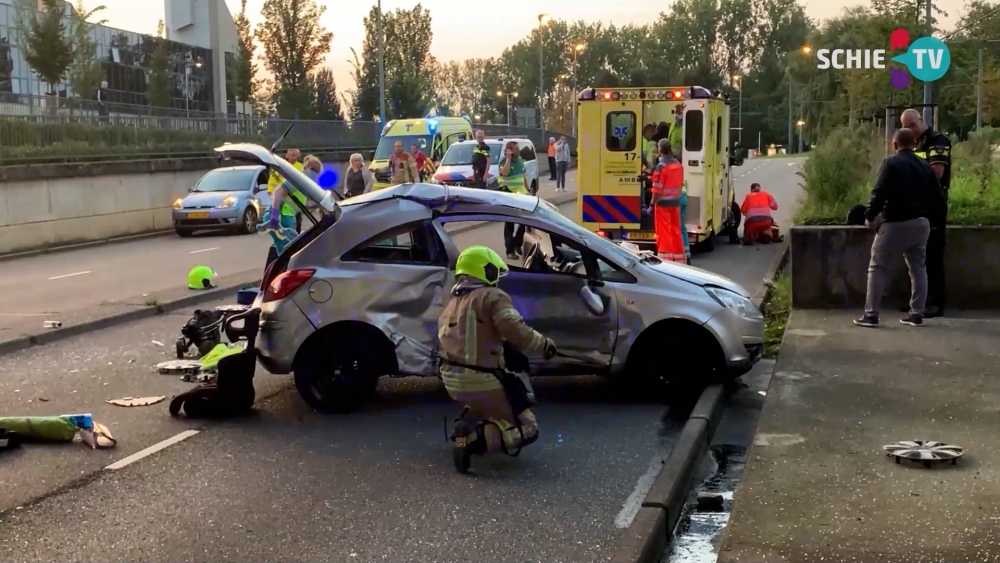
(693, 92)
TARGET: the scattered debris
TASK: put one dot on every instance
(711, 502)
(63, 428)
(179, 367)
(52, 324)
(762, 393)
(43, 399)
(135, 401)
(158, 343)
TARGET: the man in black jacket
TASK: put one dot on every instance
(905, 190)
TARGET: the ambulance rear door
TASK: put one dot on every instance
(619, 203)
(696, 163)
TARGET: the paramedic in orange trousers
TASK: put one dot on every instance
(668, 188)
(757, 207)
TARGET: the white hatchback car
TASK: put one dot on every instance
(456, 166)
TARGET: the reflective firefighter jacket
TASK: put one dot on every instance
(758, 205)
(472, 330)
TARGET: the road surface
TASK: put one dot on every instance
(291, 485)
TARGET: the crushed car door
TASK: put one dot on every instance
(549, 300)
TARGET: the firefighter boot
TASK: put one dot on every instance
(468, 440)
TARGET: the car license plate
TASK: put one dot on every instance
(640, 236)
(198, 215)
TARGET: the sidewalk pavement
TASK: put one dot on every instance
(818, 486)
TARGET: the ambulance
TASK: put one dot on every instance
(613, 191)
(432, 135)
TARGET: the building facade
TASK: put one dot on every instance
(197, 68)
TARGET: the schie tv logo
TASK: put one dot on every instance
(927, 58)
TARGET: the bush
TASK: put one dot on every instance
(836, 173)
(840, 172)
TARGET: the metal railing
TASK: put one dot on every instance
(24, 105)
(87, 136)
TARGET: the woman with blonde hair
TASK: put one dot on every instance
(357, 180)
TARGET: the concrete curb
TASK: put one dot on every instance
(69, 331)
(169, 305)
(647, 538)
(88, 244)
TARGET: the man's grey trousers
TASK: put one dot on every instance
(908, 238)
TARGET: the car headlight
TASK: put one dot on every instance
(178, 203)
(736, 303)
(228, 202)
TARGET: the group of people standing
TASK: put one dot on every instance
(908, 211)
(559, 157)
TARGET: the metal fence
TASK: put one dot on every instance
(64, 138)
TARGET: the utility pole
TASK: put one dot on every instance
(979, 93)
(790, 130)
(381, 67)
(928, 111)
(542, 20)
(802, 114)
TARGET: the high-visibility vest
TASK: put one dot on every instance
(552, 150)
(676, 137)
(758, 204)
(276, 180)
(939, 152)
(668, 182)
(513, 182)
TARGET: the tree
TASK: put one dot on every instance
(327, 102)
(85, 72)
(158, 79)
(44, 43)
(294, 44)
(409, 67)
(245, 82)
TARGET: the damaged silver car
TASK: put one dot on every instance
(358, 295)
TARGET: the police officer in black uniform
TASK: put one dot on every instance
(480, 160)
(935, 148)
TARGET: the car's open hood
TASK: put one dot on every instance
(256, 154)
(441, 197)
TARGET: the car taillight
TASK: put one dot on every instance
(602, 234)
(285, 283)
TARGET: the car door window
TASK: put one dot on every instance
(416, 243)
(612, 273)
(556, 255)
(528, 153)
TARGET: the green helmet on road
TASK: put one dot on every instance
(481, 263)
(200, 277)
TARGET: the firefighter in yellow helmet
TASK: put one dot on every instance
(472, 330)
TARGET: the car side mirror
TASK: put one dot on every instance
(260, 188)
(592, 301)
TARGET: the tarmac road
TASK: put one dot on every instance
(289, 484)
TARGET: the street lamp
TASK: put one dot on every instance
(739, 83)
(801, 123)
(542, 20)
(508, 95)
(577, 49)
(805, 50)
(188, 67)
(478, 117)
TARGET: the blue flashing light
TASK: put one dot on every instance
(327, 179)
(432, 124)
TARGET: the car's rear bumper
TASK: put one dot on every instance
(283, 330)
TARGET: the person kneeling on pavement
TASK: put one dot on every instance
(757, 207)
(472, 330)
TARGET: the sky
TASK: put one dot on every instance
(462, 29)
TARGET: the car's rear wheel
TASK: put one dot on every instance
(338, 376)
(182, 232)
(734, 223)
(248, 225)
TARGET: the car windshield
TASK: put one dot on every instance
(222, 180)
(459, 155)
(387, 145)
(603, 246)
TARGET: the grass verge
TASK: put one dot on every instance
(776, 309)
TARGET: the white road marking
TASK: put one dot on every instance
(26, 314)
(69, 275)
(204, 250)
(634, 501)
(151, 450)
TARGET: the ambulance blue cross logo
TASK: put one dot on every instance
(408, 125)
(621, 131)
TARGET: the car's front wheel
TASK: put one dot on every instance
(734, 223)
(675, 354)
(337, 377)
(248, 225)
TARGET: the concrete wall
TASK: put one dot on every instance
(830, 268)
(49, 206)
